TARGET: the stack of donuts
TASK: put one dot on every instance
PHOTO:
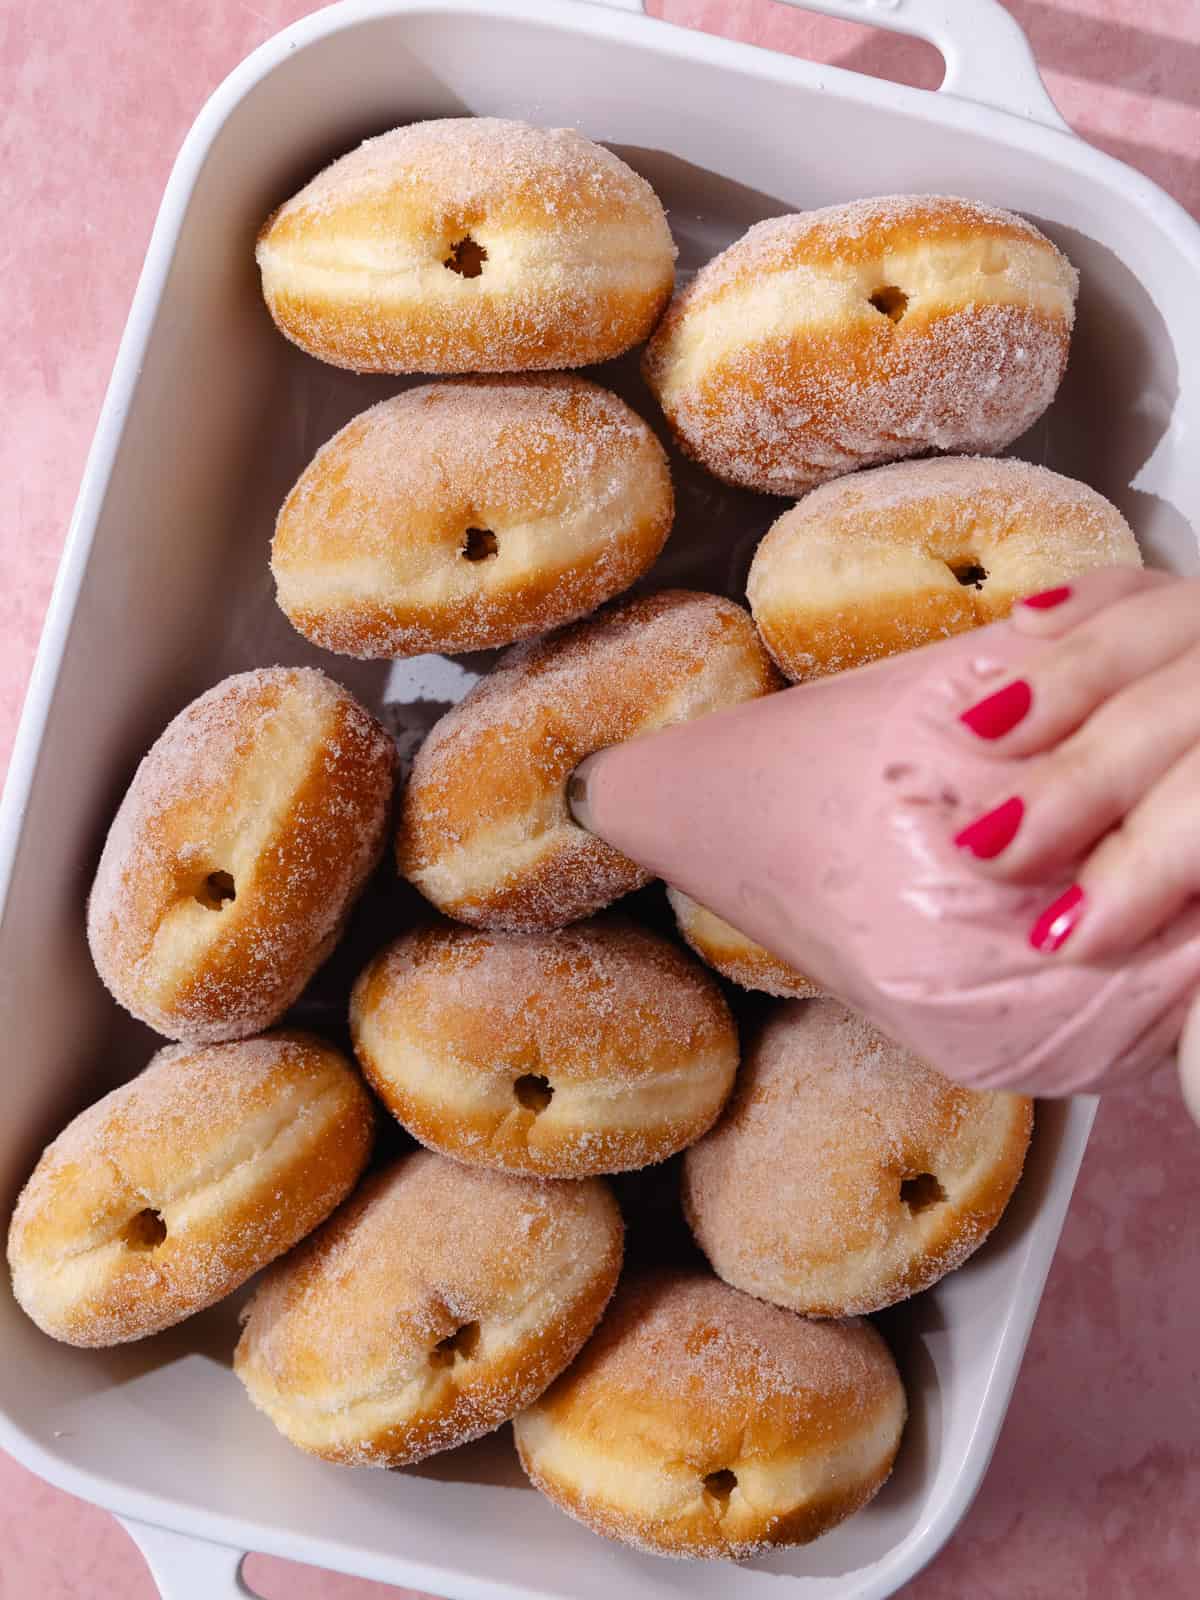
(523, 1042)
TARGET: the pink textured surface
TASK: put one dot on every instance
(1095, 1488)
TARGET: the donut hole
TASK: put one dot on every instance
(466, 257)
(479, 544)
(969, 573)
(145, 1231)
(460, 1345)
(720, 1485)
(890, 301)
(533, 1092)
(921, 1192)
(217, 890)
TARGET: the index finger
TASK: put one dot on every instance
(1057, 611)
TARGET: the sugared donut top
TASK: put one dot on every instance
(466, 515)
(827, 340)
(250, 822)
(167, 1185)
(931, 241)
(599, 1048)
(720, 1378)
(646, 660)
(194, 1113)
(901, 555)
(426, 1253)
(457, 171)
(599, 1001)
(837, 1146)
(503, 247)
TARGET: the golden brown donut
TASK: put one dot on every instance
(901, 556)
(845, 1174)
(233, 861)
(469, 244)
(465, 515)
(700, 1422)
(830, 340)
(436, 1304)
(175, 1188)
(735, 956)
(599, 1048)
(485, 830)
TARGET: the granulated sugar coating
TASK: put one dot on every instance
(903, 555)
(599, 1048)
(237, 852)
(466, 515)
(463, 166)
(469, 244)
(860, 232)
(485, 830)
(174, 1189)
(733, 955)
(700, 1422)
(846, 1174)
(734, 1358)
(827, 341)
(440, 1301)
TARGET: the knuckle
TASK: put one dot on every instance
(1133, 856)
(1084, 768)
(1087, 664)
(1070, 804)
(1170, 812)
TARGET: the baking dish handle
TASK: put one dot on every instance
(988, 58)
(189, 1569)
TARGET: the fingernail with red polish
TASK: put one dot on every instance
(994, 831)
(1048, 599)
(1058, 922)
(1000, 712)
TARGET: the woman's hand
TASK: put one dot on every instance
(1097, 752)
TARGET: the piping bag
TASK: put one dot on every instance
(819, 821)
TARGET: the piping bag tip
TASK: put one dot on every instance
(577, 793)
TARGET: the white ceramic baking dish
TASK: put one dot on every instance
(164, 588)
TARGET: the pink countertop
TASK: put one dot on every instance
(1095, 1487)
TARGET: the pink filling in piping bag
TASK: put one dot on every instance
(820, 822)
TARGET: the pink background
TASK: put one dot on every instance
(1095, 1488)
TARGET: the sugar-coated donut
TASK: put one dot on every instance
(598, 1048)
(485, 832)
(733, 955)
(469, 244)
(436, 1305)
(904, 555)
(171, 1191)
(237, 852)
(845, 1174)
(827, 341)
(700, 1422)
(469, 514)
